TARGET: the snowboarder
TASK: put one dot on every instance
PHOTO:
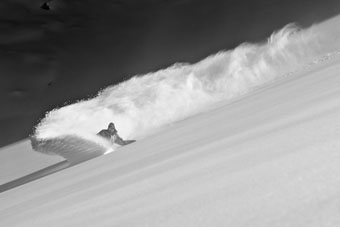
(111, 134)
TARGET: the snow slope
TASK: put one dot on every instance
(269, 158)
(18, 160)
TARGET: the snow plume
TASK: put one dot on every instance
(147, 102)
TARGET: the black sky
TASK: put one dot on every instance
(55, 52)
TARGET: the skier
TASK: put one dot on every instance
(111, 134)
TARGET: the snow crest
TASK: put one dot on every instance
(145, 103)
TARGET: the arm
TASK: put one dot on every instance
(104, 133)
(122, 142)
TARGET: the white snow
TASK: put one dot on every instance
(145, 103)
(269, 158)
(18, 160)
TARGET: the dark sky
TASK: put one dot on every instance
(58, 51)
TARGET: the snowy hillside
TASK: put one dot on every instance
(268, 157)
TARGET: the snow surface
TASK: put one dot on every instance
(18, 160)
(268, 158)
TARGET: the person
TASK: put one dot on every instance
(111, 134)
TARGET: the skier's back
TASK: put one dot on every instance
(111, 134)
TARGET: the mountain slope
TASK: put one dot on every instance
(268, 159)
